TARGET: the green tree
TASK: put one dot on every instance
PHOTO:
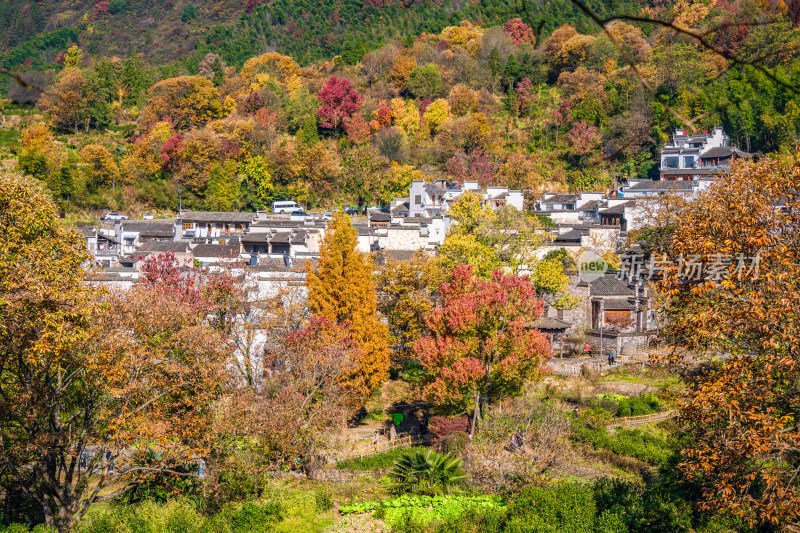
(222, 191)
(256, 173)
(341, 290)
(426, 82)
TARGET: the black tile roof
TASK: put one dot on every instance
(561, 199)
(649, 185)
(610, 285)
(161, 247)
(260, 237)
(150, 229)
(217, 216)
(573, 235)
(618, 304)
(616, 210)
(215, 250)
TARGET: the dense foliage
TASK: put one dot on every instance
(478, 97)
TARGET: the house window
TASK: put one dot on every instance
(688, 161)
(418, 199)
(187, 226)
(671, 162)
(238, 227)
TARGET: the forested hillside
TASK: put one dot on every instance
(485, 101)
(185, 30)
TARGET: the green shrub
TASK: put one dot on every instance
(635, 443)
(639, 405)
(256, 517)
(566, 507)
(22, 528)
(323, 499)
(117, 6)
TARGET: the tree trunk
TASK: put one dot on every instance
(475, 415)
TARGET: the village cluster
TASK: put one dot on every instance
(616, 309)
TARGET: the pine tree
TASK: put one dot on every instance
(495, 63)
(341, 290)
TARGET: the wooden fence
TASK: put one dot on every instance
(365, 450)
(641, 420)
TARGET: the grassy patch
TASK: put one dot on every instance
(381, 460)
(644, 446)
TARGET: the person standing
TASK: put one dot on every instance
(375, 440)
(392, 434)
(201, 469)
(613, 356)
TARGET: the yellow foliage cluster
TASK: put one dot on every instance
(466, 36)
(285, 70)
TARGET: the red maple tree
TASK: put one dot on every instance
(339, 102)
(480, 343)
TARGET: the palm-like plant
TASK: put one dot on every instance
(429, 473)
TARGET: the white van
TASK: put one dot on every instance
(285, 207)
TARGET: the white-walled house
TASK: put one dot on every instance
(435, 198)
(693, 156)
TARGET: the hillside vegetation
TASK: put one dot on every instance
(469, 100)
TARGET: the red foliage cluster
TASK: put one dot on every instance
(251, 103)
(100, 9)
(171, 151)
(583, 137)
(441, 426)
(474, 166)
(524, 90)
(519, 31)
(384, 114)
(339, 102)
(481, 326)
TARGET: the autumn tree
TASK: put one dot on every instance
(519, 31)
(340, 289)
(272, 65)
(730, 288)
(307, 390)
(83, 373)
(100, 167)
(75, 101)
(406, 296)
(187, 101)
(339, 100)
(480, 345)
(503, 239)
(364, 172)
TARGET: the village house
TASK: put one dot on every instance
(435, 198)
(212, 227)
(694, 156)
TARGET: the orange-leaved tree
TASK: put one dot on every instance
(341, 290)
(731, 291)
(88, 378)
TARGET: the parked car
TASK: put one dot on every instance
(147, 215)
(114, 216)
(349, 210)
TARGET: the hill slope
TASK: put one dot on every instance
(185, 30)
